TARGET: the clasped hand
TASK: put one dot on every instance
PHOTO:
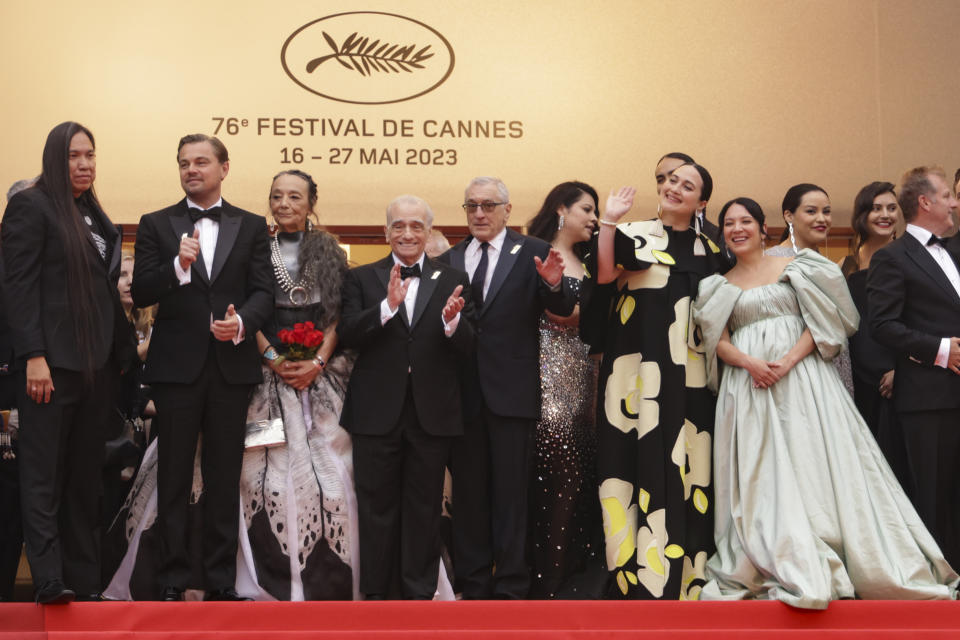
(765, 374)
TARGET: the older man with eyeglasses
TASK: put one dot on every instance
(513, 278)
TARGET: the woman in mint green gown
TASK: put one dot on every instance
(807, 509)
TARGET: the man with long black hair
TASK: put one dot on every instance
(61, 256)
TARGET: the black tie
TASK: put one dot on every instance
(213, 213)
(935, 240)
(410, 272)
(480, 275)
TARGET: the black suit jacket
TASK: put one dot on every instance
(508, 339)
(912, 307)
(35, 284)
(241, 276)
(417, 347)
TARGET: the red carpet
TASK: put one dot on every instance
(500, 620)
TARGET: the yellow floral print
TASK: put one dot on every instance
(693, 571)
(653, 553)
(629, 401)
(619, 521)
(691, 453)
(645, 244)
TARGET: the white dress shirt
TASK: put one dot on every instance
(942, 257)
(410, 301)
(471, 258)
(209, 233)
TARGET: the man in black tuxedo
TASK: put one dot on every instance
(409, 318)
(513, 277)
(208, 265)
(913, 288)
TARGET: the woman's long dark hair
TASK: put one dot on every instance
(862, 206)
(55, 182)
(544, 224)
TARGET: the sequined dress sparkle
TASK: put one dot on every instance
(807, 509)
(565, 516)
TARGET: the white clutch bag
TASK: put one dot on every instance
(264, 434)
(269, 432)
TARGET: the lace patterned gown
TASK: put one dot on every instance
(807, 509)
(298, 523)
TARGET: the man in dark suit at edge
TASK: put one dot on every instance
(410, 319)
(513, 277)
(208, 265)
(913, 289)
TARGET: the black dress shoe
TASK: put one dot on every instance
(225, 595)
(172, 594)
(89, 597)
(54, 592)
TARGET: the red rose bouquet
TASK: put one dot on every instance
(301, 342)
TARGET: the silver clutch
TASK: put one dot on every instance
(263, 434)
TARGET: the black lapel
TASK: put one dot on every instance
(182, 225)
(226, 238)
(512, 244)
(919, 254)
(428, 283)
(458, 254)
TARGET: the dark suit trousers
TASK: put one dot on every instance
(399, 481)
(61, 454)
(933, 452)
(216, 410)
(491, 477)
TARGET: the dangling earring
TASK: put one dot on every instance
(309, 225)
(793, 240)
(560, 223)
(698, 249)
(657, 230)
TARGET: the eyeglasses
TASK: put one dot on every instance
(488, 207)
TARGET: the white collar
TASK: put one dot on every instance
(496, 242)
(193, 205)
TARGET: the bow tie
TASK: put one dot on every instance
(213, 213)
(410, 272)
(935, 240)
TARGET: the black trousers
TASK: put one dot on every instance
(216, 410)
(60, 458)
(933, 452)
(399, 482)
(491, 477)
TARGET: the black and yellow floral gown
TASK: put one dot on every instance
(655, 416)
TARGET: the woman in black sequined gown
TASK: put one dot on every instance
(566, 539)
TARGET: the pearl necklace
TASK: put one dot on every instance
(296, 291)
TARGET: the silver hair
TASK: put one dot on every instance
(411, 200)
(480, 181)
(20, 185)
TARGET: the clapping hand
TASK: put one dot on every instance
(189, 249)
(454, 305)
(227, 328)
(551, 269)
(619, 202)
(396, 288)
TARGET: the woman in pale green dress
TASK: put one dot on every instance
(807, 509)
